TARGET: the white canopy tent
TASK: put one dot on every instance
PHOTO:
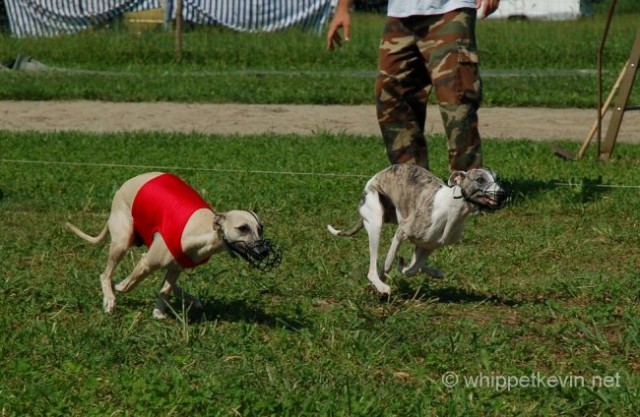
(544, 9)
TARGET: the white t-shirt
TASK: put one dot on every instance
(404, 8)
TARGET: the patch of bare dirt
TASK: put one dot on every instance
(97, 116)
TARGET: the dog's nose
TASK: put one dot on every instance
(501, 195)
(260, 250)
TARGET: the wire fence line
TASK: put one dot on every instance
(262, 172)
(489, 73)
(179, 168)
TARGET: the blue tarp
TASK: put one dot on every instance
(57, 17)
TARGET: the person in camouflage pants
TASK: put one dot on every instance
(417, 54)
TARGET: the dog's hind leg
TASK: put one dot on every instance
(140, 271)
(157, 256)
(397, 241)
(116, 252)
(120, 225)
(121, 229)
(372, 214)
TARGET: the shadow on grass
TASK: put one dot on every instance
(456, 295)
(221, 309)
(586, 190)
(240, 310)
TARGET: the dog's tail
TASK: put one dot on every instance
(86, 237)
(351, 232)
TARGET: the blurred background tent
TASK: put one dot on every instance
(24, 18)
(545, 9)
(55, 17)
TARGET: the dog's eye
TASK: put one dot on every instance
(481, 180)
(244, 228)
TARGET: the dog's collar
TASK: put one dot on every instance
(462, 195)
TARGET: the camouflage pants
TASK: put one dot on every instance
(418, 54)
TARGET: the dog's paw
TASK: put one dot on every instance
(407, 270)
(159, 314)
(108, 304)
(193, 301)
(383, 289)
(374, 292)
(433, 272)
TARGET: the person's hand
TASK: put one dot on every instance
(487, 7)
(341, 20)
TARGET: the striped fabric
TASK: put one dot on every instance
(259, 15)
(56, 17)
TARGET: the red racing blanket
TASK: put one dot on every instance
(164, 205)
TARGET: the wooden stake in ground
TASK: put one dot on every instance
(178, 30)
(603, 111)
(620, 106)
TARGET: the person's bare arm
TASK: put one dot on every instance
(341, 20)
(487, 7)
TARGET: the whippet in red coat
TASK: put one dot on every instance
(181, 231)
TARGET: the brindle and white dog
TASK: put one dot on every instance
(429, 213)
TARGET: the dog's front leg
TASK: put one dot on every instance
(417, 264)
(190, 299)
(418, 259)
(163, 298)
(170, 285)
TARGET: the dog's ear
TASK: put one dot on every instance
(456, 178)
(260, 227)
(218, 220)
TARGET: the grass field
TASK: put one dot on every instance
(541, 58)
(545, 291)
(538, 313)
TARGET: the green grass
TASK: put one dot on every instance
(548, 287)
(293, 67)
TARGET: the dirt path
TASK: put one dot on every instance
(95, 116)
